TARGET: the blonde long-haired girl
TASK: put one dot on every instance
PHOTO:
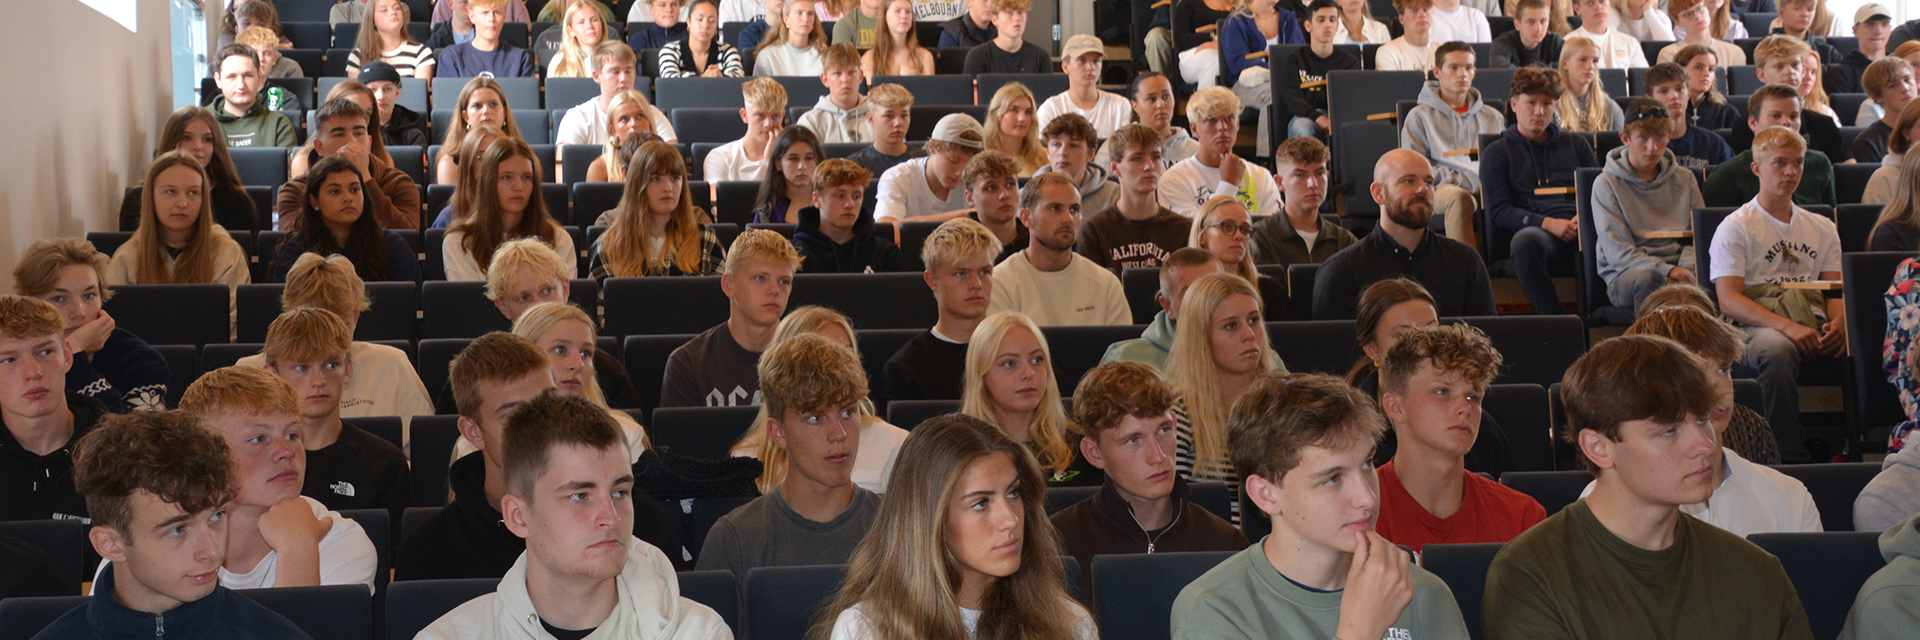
(1585, 107)
(879, 440)
(626, 119)
(656, 207)
(581, 30)
(1219, 347)
(1211, 232)
(1009, 383)
(177, 241)
(566, 334)
(1011, 127)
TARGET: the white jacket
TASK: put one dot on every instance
(650, 607)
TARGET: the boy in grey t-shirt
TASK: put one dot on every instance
(1304, 443)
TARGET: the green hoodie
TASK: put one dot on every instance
(1889, 603)
(259, 128)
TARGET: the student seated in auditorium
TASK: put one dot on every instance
(1214, 169)
(627, 129)
(765, 108)
(244, 117)
(1125, 410)
(384, 382)
(1135, 230)
(702, 54)
(1707, 108)
(973, 29)
(1153, 105)
(1532, 42)
(715, 369)
(968, 498)
(1413, 50)
(42, 419)
(346, 467)
(512, 210)
(485, 53)
(860, 25)
(1180, 270)
(1533, 155)
(1872, 27)
(795, 45)
(1306, 107)
(398, 124)
(1584, 105)
(481, 102)
(1070, 143)
(1693, 147)
(1884, 607)
(842, 114)
(1220, 348)
(158, 485)
(1404, 246)
(889, 115)
(1244, 43)
(959, 257)
(993, 192)
(1223, 228)
(567, 483)
(663, 30)
(177, 242)
(1618, 49)
(1450, 118)
(1008, 51)
(1432, 383)
(834, 235)
(879, 442)
(1890, 497)
(1696, 19)
(1009, 127)
(492, 379)
(1890, 82)
(656, 231)
(196, 131)
(930, 187)
(389, 196)
(1646, 21)
(613, 70)
(1082, 59)
(1455, 21)
(813, 391)
(1303, 180)
(1745, 432)
(527, 272)
(452, 25)
(1637, 410)
(110, 364)
(1781, 59)
(1735, 181)
(384, 38)
(1010, 384)
(467, 154)
(1769, 242)
(1388, 309)
(1644, 189)
(359, 94)
(266, 45)
(566, 335)
(1304, 443)
(787, 186)
(275, 536)
(1796, 21)
(1047, 280)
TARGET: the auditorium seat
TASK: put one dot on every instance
(575, 159)
(1538, 349)
(1133, 594)
(378, 524)
(462, 310)
(65, 542)
(413, 91)
(876, 346)
(1855, 222)
(1300, 289)
(411, 518)
(414, 604)
(1834, 485)
(673, 94)
(869, 300)
(934, 89)
(326, 612)
(1043, 85)
(913, 238)
(717, 589)
(734, 200)
(1523, 415)
(782, 602)
(1314, 346)
(1059, 498)
(908, 414)
(1827, 570)
(172, 313)
(706, 432)
(1850, 180)
(430, 454)
(1594, 302)
(1553, 489)
(924, 117)
(260, 166)
(1874, 402)
(392, 316)
(1142, 287)
(566, 93)
(1076, 350)
(1464, 568)
(23, 618)
(633, 305)
(710, 123)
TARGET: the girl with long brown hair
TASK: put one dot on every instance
(482, 101)
(178, 241)
(896, 49)
(196, 131)
(384, 37)
(506, 205)
(656, 230)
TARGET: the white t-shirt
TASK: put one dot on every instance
(903, 193)
(1758, 247)
(1398, 55)
(384, 383)
(462, 267)
(1083, 294)
(1371, 32)
(1755, 499)
(1653, 25)
(586, 123)
(1189, 184)
(1617, 49)
(787, 60)
(347, 556)
(1109, 114)
(729, 162)
(1465, 24)
(852, 623)
(736, 10)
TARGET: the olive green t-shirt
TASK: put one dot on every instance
(1568, 577)
(1244, 597)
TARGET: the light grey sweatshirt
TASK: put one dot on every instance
(1625, 208)
(1892, 496)
(834, 124)
(1888, 604)
(1433, 128)
(1098, 190)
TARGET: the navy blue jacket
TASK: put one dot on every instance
(222, 615)
(1513, 167)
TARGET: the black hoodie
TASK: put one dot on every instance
(405, 128)
(864, 253)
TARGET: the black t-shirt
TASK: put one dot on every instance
(1871, 146)
(358, 471)
(925, 368)
(990, 58)
(36, 487)
(711, 370)
(565, 634)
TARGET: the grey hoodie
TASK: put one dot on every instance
(1625, 208)
(1888, 605)
(1433, 128)
(1892, 496)
(833, 124)
(1098, 190)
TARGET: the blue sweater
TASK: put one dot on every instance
(222, 615)
(464, 61)
(1513, 167)
(1242, 36)
(656, 37)
(126, 374)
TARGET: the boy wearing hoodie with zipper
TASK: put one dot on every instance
(1125, 410)
(1644, 189)
(841, 115)
(1532, 156)
(834, 235)
(1445, 127)
(1070, 140)
(569, 493)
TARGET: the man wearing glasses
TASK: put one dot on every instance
(1047, 281)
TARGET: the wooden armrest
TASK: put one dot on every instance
(1553, 191)
(1669, 235)
(1161, 3)
(1256, 55)
(1314, 84)
(1207, 28)
(1816, 285)
(1462, 152)
(1384, 116)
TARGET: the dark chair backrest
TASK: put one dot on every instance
(172, 313)
(431, 453)
(1133, 594)
(1594, 302)
(646, 360)
(1834, 485)
(709, 124)
(1300, 289)
(716, 589)
(908, 414)
(870, 300)
(935, 89)
(1827, 570)
(567, 93)
(1866, 277)
(389, 428)
(1855, 222)
(876, 346)
(926, 116)
(1464, 568)
(65, 542)
(1043, 85)
(411, 518)
(1314, 346)
(183, 365)
(378, 524)
(262, 166)
(672, 94)
(1142, 286)
(632, 305)
(1076, 350)
(1552, 343)
(326, 612)
(23, 618)
(392, 316)
(1059, 498)
(1524, 416)
(700, 432)
(1553, 489)
(1850, 180)
(414, 604)
(785, 600)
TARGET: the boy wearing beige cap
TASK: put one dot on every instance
(1872, 27)
(930, 187)
(1082, 60)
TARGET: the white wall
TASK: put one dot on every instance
(84, 104)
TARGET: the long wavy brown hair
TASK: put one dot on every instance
(366, 242)
(486, 227)
(458, 131)
(195, 264)
(220, 170)
(883, 43)
(625, 244)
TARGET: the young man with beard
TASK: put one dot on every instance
(1048, 281)
(1404, 247)
(569, 494)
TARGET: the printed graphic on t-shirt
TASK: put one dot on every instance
(1137, 254)
(938, 10)
(738, 397)
(1790, 255)
(342, 488)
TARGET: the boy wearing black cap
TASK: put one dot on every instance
(1645, 189)
(398, 124)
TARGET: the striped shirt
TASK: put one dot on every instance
(404, 58)
(1183, 460)
(676, 60)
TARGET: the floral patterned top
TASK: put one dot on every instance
(1903, 318)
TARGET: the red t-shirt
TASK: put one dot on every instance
(1489, 512)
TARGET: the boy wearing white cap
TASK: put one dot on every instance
(1082, 60)
(930, 187)
(1872, 27)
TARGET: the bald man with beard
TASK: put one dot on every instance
(1403, 247)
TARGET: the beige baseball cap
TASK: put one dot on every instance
(1080, 44)
(1870, 11)
(961, 130)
